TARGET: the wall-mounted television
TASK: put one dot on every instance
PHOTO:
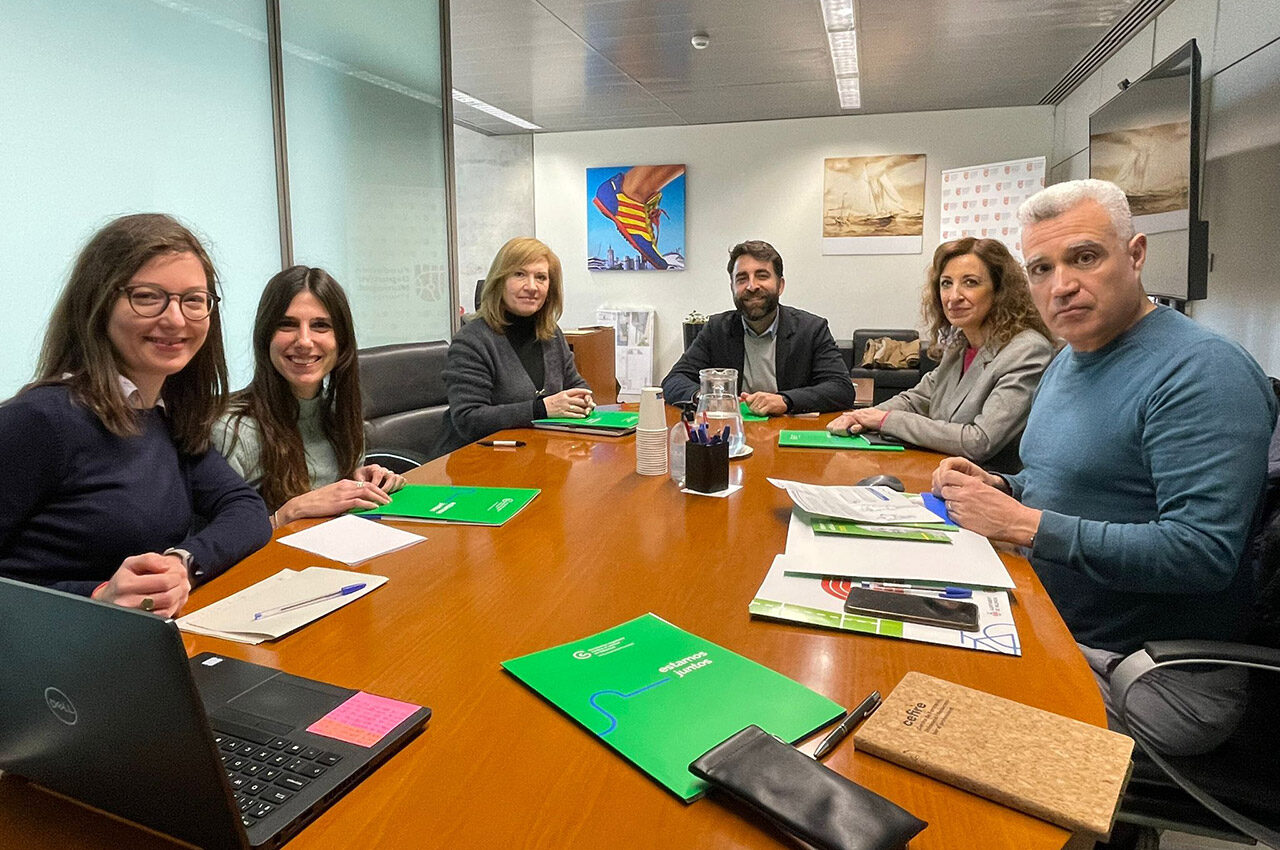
(1147, 140)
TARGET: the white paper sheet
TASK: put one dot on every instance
(969, 560)
(232, 618)
(818, 601)
(881, 505)
(351, 539)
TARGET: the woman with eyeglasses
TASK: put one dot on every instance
(107, 452)
(296, 432)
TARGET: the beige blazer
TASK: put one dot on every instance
(976, 414)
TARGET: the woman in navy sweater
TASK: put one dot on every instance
(107, 451)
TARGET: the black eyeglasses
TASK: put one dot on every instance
(150, 301)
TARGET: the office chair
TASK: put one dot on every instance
(398, 461)
(1233, 792)
(406, 404)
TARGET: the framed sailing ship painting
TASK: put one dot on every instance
(873, 204)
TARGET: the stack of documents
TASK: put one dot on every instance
(819, 601)
(233, 618)
(843, 537)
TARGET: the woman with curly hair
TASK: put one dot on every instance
(994, 348)
(296, 432)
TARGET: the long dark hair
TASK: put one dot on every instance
(269, 400)
(76, 342)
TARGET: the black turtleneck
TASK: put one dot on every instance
(522, 333)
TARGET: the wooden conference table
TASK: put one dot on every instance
(497, 766)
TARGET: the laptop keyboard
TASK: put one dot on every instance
(266, 773)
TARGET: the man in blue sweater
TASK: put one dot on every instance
(1144, 459)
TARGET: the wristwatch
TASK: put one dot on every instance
(187, 561)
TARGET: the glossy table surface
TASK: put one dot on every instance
(497, 766)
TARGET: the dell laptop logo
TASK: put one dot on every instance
(61, 706)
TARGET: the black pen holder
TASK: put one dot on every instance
(706, 468)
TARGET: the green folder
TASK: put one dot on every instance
(919, 532)
(661, 696)
(823, 439)
(452, 503)
(748, 416)
(610, 423)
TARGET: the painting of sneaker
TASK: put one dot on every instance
(636, 217)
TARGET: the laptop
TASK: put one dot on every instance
(100, 703)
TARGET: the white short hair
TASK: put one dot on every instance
(1053, 201)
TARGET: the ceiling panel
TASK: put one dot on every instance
(599, 64)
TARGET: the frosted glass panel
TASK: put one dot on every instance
(119, 106)
(366, 159)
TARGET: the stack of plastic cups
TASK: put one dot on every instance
(651, 434)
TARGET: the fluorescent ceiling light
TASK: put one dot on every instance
(842, 41)
(838, 14)
(844, 52)
(475, 103)
(850, 95)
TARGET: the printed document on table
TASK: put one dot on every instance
(819, 601)
(969, 560)
(881, 505)
(351, 539)
(232, 618)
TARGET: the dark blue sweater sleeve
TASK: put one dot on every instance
(33, 456)
(237, 518)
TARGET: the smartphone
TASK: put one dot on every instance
(875, 438)
(910, 608)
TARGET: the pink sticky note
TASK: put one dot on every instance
(364, 719)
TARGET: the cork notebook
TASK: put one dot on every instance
(1062, 770)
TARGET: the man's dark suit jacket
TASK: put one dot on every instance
(812, 375)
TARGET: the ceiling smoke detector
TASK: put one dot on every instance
(700, 41)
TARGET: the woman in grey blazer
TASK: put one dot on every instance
(994, 348)
(511, 365)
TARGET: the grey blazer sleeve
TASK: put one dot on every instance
(977, 414)
(486, 394)
(917, 399)
(571, 376)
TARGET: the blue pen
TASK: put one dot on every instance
(724, 435)
(346, 591)
(948, 592)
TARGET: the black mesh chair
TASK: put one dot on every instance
(406, 405)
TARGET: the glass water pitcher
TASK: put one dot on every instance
(718, 406)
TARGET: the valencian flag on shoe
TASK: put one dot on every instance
(635, 218)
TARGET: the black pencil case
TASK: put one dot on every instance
(803, 796)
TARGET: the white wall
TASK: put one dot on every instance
(1239, 42)
(763, 180)
(494, 180)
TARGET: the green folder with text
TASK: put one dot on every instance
(608, 423)
(453, 503)
(661, 696)
(823, 439)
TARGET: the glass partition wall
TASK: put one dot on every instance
(123, 106)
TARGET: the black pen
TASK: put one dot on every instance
(512, 444)
(862, 712)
